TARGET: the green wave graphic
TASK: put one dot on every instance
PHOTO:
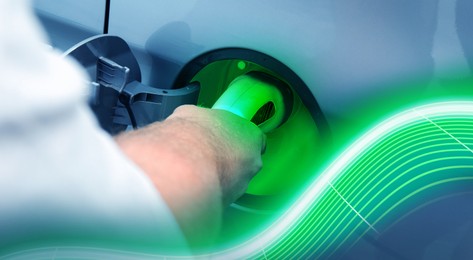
(405, 161)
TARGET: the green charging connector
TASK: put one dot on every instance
(258, 97)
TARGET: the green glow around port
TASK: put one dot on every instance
(297, 140)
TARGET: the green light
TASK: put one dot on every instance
(241, 65)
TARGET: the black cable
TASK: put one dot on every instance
(106, 16)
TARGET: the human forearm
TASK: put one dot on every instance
(182, 165)
(200, 160)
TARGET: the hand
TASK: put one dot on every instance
(200, 160)
(237, 143)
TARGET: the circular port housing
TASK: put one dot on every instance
(294, 150)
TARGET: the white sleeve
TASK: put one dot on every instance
(63, 181)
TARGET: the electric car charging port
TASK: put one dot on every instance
(294, 149)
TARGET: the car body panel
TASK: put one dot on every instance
(69, 22)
